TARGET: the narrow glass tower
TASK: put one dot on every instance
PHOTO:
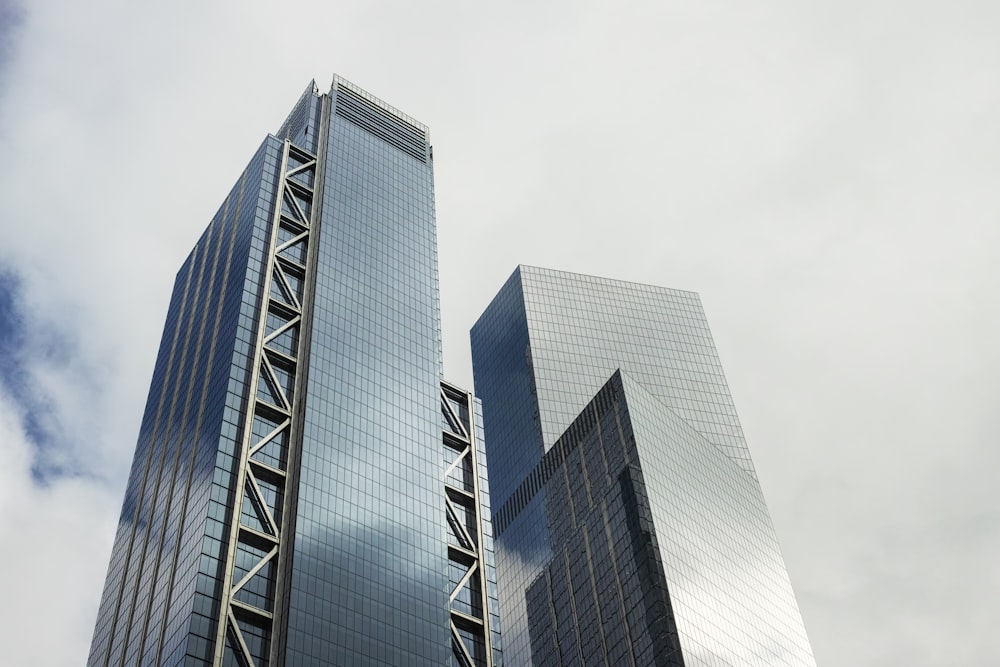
(295, 497)
(631, 529)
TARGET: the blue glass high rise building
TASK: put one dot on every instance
(630, 525)
(305, 489)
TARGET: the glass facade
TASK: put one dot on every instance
(630, 526)
(161, 596)
(287, 503)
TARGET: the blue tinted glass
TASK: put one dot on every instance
(630, 525)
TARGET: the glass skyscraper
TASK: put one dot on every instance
(305, 489)
(630, 526)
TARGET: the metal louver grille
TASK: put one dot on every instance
(384, 125)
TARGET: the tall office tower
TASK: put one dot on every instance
(295, 498)
(630, 526)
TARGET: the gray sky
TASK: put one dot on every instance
(824, 174)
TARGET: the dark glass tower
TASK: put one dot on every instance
(305, 490)
(630, 526)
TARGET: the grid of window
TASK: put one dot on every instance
(159, 595)
(501, 357)
(603, 599)
(728, 583)
(302, 125)
(368, 582)
(600, 531)
(583, 328)
(489, 547)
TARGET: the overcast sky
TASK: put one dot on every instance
(825, 174)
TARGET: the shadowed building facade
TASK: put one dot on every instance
(305, 489)
(630, 526)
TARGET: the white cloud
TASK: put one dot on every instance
(58, 538)
(822, 173)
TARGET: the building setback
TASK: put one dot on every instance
(305, 489)
(630, 526)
